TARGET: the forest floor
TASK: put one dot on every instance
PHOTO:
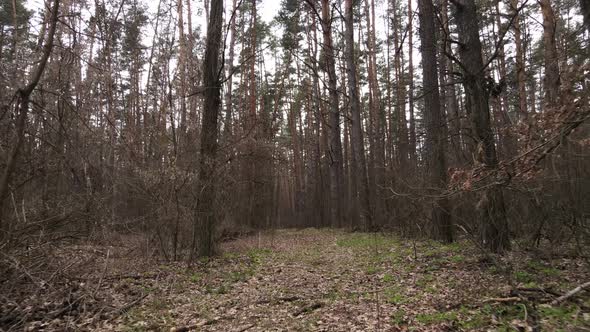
(319, 280)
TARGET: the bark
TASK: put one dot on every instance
(551, 79)
(520, 70)
(494, 228)
(450, 94)
(209, 132)
(435, 140)
(400, 106)
(358, 159)
(228, 94)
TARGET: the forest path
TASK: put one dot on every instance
(326, 280)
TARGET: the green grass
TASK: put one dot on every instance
(523, 276)
(398, 317)
(437, 317)
(364, 240)
(387, 278)
(539, 267)
(457, 259)
(394, 295)
(195, 277)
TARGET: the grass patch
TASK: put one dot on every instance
(457, 259)
(539, 267)
(195, 277)
(371, 270)
(387, 278)
(365, 240)
(437, 317)
(393, 295)
(425, 280)
(562, 316)
(398, 317)
(523, 276)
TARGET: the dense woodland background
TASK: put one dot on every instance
(469, 118)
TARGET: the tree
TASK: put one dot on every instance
(435, 140)
(335, 144)
(23, 95)
(494, 227)
(359, 163)
(209, 132)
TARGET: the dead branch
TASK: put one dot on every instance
(503, 299)
(571, 293)
(308, 309)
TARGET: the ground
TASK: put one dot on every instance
(331, 280)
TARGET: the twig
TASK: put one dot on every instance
(184, 328)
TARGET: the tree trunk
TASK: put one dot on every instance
(209, 132)
(23, 95)
(335, 144)
(358, 147)
(520, 71)
(494, 229)
(551, 79)
(227, 129)
(435, 140)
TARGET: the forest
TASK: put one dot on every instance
(294, 165)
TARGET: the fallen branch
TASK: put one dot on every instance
(130, 305)
(308, 308)
(571, 293)
(184, 328)
(539, 290)
(503, 299)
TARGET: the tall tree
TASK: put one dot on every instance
(494, 227)
(435, 140)
(358, 148)
(335, 143)
(212, 104)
